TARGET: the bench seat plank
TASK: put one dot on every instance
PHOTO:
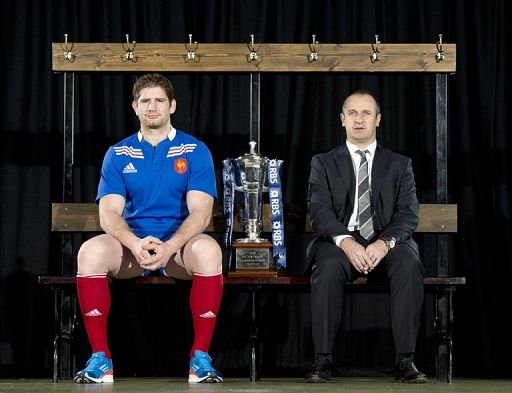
(248, 280)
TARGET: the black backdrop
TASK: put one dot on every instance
(299, 118)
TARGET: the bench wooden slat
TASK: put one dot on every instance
(433, 218)
(83, 217)
(438, 218)
(75, 217)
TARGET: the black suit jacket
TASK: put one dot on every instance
(332, 191)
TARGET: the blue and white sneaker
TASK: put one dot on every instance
(98, 369)
(201, 370)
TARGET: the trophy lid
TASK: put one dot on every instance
(252, 156)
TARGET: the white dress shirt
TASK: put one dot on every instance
(356, 160)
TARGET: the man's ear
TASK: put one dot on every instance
(135, 107)
(342, 118)
(378, 120)
(173, 106)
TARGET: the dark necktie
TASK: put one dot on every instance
(364, 212)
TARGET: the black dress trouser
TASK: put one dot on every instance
(331, 270)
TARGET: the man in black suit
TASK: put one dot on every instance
(363, 208)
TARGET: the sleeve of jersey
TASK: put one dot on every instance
(202, 172)
(111, 181)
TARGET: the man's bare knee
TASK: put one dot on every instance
(98, 255)
(206, 256)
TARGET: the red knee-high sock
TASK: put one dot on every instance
(205, 297)
(94, 299)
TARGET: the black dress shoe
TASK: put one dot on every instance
(407, 372)
(321, 371)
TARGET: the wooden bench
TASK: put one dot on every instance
(72, 218)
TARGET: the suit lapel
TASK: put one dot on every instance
(344, 165)
(380, 165)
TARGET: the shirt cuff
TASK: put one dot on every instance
(339, 238)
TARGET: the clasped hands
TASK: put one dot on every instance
(152, 253)
(363, 259)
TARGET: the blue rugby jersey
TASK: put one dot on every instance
(155, 180)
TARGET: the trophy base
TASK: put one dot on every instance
(253, 259)
(253, 273)
(249, 240)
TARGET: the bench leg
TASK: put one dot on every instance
(56, 359)
(254, 338)
(444, 326)
(65, 324)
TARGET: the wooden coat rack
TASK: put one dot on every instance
(251, 58)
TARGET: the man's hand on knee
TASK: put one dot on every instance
(376, 251)
(357, 255)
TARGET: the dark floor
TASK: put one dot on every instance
(358, 385)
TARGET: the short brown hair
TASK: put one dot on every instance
(153, 80)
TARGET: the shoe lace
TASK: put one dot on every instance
(406, 362)
(203, 360)
(321, 363)
(94, 361)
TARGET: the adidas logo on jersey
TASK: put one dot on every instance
(208, 314)
(93, 313)
(130, 168)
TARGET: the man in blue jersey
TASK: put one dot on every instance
(155, 196)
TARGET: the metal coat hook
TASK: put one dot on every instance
(313, 56)
(253, 55)
(440, 51)
(375, 56)
(68, 54)
(129, 48)
(191, 55)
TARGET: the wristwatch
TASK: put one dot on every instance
(390, 242)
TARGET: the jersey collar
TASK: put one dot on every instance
(171, 135)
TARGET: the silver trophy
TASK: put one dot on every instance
(250, 178)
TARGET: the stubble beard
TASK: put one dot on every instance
(154, 124)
